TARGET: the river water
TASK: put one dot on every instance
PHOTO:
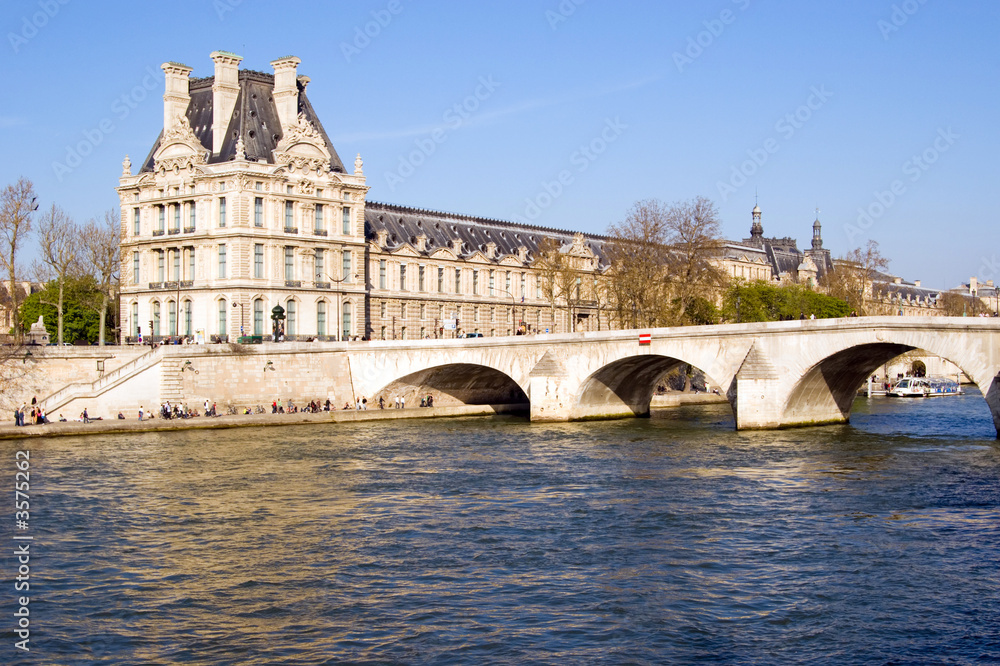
(672, 539)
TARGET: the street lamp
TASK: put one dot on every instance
(340, 333)
(241, 317)
(513, 304)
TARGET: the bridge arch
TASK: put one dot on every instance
(455, 384)
(825, 391)
(625, 386)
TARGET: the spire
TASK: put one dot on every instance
(756, 229)
(817, 242)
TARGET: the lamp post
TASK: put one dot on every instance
(340, 333)
(513, 304)
(241, 317)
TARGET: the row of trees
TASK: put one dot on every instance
(664, 270)
(79, 265)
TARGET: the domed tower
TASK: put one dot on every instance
(756, 229)
(817, 243)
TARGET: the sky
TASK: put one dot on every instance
(880, 114)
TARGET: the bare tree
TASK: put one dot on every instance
(854, 276)
(61, 246)
(102, 257)
(638, 256)
(662, 260)
(695, 239)
(552, 270)
(17, 203)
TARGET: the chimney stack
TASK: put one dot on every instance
(176, 96)
(225, 90)
(286, 91)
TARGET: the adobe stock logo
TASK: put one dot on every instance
(31, 25)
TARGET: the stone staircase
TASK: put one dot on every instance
(52, 403)
(171, 382)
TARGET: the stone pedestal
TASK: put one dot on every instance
(38, 335)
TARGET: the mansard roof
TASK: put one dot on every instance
(255, 119)
(403, 225)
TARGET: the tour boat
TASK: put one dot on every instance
(924, 387)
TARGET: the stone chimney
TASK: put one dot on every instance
(421, 242)
(973, 285)
(491, 250)
(286, 91)
(522, 254)
(916, 283)
(225, 90)
(456, 245)
(176, 96)
(382, 238)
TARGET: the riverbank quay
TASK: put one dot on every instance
(106, 426)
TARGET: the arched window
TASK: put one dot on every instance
(321, 318)
(187, 318)
(171, 318)
(347, 319)
(290, 318)
(223, 310)
(258, 316)
(135, 320)
(156, 318)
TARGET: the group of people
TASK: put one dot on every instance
(36, 416)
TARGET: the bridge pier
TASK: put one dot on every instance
(993, 400)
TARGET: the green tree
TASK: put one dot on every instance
(80, 322)
(760, 301)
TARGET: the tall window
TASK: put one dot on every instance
(187, 317)
(492, 278)
(402, 311)
(135, 268)
(156, 319)
(402, 277)
(523, 285)
(190, 275)
(192, 214)
(223, 313)
(319, 226)
(507, 284)
(222, 261)
(347, 265)
(347, 221)
(440, 280)
(135, 320)
(161, 266)
(258, 317)
(171, 318)
(136, 218)
(381, 273)
(321, 318)
(222, 212)
(258, 211)
(289, 215)
(289, 263)
(475, 282)
(290, 317)
(458, 280)
(423, 311)
(346, 328)
(258, 260)
(320, 268)
(161, 217)
(420, 277)
(177, 264)
(177, 217)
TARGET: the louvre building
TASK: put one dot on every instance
(243, 210)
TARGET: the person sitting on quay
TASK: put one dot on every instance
(347, 406)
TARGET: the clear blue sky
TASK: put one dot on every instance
(820, 104)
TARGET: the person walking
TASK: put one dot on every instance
(86, 418)
(402, 402)
(140, 413)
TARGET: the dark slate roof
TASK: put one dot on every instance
(255, 118)
(404, 224)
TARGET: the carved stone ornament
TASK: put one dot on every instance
(242, 182)
(126, 166)
(179, 148)
(305, 187)
(241, 153)
(302, 147)
(358, 166)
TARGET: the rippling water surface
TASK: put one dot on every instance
(673, 539)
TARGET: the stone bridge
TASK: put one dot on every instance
(775, 374)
